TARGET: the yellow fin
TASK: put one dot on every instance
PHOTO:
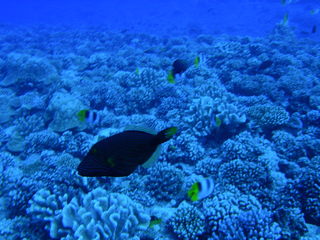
(218, 121)
(171, 131)
(154, 157)
(155, 222)
(196, 61)
(82, 114)
(170, 78)
(193, 192)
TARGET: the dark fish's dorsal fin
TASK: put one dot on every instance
(141, 129)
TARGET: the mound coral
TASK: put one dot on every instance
(64, 108)
(268, 116)
(185, 149)
(27, 72)
(231, 215)
(187, 222)
(243, 174)
(243, 146)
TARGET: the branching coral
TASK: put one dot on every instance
(164, 181)
(38, 141)
(287, 145)
(243, 174)
(231, 215)
(243, 146)
(185, 149)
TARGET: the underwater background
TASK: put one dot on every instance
(239, 80)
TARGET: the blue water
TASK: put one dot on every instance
(239, 80)
(255, 18)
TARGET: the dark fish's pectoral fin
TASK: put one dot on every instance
(90, 167)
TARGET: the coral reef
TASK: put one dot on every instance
(247, 113)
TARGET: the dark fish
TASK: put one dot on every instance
(120, 154)
(179, 66)
(266, 64)
(314, 29)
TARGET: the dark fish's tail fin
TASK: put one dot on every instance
(166, 134)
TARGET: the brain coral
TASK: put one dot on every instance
(102, 216)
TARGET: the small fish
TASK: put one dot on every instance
(89, 116)
(314, 29)
(266, 64)
(286, 2)
(197, 61)
(120, 154)
(137, 71)
(200, 190)
(170, 77)
(216, 121)
(315, 11)
(154, 221)
(179, 66)
(285, 20)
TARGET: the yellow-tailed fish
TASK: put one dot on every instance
(218, 121)
(315, 11)
(197, 61)
(120, 154)
(89, 116)
(170, 77)
(285, 19)
(201, 189)
(154, 221)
